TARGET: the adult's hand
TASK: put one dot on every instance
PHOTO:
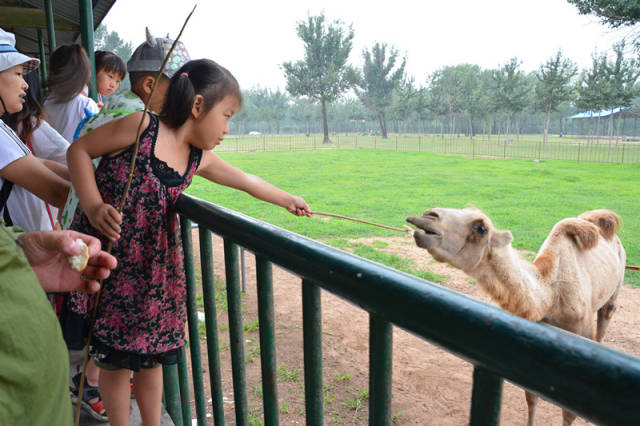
(48, 252)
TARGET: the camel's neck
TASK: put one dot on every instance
(514, 284)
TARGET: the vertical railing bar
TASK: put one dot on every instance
(172, 393)
(380, 370)
(192, 321)
(185, 399)
(486, 398)
(235, 332)
(312, 335)
(267, 341)
(211, 322)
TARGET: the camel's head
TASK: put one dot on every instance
(460, 237)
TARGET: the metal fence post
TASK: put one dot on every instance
(312, 332)
(266, 317)
(486, 398)
(234, 303)
(380, 368)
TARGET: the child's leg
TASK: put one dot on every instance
(115, 392)
(147, 385)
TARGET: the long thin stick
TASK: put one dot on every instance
(120, 208)
(403, 229)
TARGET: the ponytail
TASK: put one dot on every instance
(181, 92)
(200, 77)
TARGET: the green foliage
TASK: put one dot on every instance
(379, 79)
(288, 375)
(251, 326)
(103, 39)
(553, 86)
(284, 408)
(615, 13)
(323, 75)
(397, 417)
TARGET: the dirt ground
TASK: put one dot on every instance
(430, 386)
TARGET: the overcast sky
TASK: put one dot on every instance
(252, 38)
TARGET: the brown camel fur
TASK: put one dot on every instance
(576, 274)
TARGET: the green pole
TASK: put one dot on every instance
(234, 303)
(51, 29)
(380, 361)
(86, 31)
(312, 348)
(486, 398)
(266, 315)
(192, 316)
(43, 59)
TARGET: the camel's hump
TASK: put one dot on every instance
(607, 221)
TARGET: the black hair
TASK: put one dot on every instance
(110, 62)
(136, 78)
(70, 71)
(199, 77)
(31, 109)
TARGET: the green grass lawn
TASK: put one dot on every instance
(524, 196)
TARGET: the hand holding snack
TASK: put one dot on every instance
(48, 254)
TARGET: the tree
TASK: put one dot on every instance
(614, 13)
(103, 39)
(379, 79)
(622, 75)
(511, 93)
(323, 75)
(591, 88)
(553, 86)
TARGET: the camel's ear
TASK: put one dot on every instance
(501, 238)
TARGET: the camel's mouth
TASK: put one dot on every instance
(426, 236)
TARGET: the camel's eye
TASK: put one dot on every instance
(479, 228)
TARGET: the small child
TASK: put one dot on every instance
(141, 317)
(66, 105)
(110, 71)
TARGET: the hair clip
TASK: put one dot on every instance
(185, 74)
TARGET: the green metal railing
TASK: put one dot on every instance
(597, 383)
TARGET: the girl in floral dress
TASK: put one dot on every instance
(141, 315)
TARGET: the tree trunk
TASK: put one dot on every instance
(325, 125)
(383, 126)
(546, 130)
(470, 127)
(308, 130)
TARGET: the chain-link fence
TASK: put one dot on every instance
(523, 147)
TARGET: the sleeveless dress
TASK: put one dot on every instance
(141, 315)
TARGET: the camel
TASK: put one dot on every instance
(577, 273)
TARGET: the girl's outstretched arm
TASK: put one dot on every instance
(217, 170)
(108, 139)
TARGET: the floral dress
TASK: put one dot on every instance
(141, 314)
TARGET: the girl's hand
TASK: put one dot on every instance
(298, 207)
(106, 219)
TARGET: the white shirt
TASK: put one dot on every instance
(26, 210)
(49, 144)
(66, 117)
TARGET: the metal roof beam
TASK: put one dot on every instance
(26, 17)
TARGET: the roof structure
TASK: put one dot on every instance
(25, 17)
(616, 112)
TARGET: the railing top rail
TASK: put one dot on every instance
(592, 380)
